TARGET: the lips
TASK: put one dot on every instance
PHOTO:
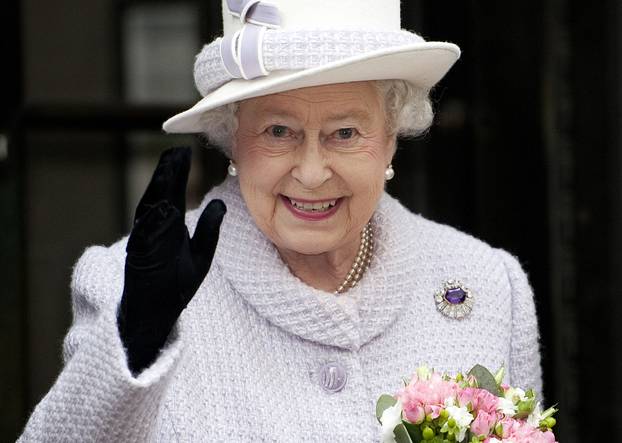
(313, 210)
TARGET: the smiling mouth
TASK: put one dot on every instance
(312, 206)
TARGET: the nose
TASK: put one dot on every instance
(312, 168)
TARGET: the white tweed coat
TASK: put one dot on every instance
(242, 363)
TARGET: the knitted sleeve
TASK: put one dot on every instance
(525, 370)
(95, 398)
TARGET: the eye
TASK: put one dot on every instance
(278, 131)
(346, 133)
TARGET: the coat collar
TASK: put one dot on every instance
(252, 265)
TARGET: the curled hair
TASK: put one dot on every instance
(407, 108)
(220, 125)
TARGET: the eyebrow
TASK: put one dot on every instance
(357, 114)
(276, 113)
(339, 115)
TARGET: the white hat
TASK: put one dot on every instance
(279, 45)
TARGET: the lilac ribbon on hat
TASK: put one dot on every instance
(241, 52)
(256, 12)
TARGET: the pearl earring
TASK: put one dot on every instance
(389, 173)
(232, 170)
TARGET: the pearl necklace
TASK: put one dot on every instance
(361, 262)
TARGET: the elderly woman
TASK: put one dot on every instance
(286, 317)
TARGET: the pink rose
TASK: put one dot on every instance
(483, 423)
(519, 431)
(480, 399)
(426, 397)
(415, 413)
(547, 437)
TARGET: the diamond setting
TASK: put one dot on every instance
(454, 299)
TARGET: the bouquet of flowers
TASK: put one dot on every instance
(475, 408)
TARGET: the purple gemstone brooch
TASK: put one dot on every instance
(454, 299)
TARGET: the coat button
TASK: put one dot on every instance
(333, 377)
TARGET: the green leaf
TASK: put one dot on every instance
(401, 434)
(384, 402)
(485, 380)
(414, 431)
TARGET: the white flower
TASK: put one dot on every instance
(535, 417)
(463, 419)
(515, 394)
(391, 417)
(506, 406)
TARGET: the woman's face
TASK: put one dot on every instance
(311, 164)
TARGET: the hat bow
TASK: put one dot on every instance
(241, 51)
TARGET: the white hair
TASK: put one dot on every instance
(407, 108)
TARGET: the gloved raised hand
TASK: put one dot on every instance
(164, 267)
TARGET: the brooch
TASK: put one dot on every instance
(454, 299)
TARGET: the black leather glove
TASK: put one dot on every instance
(164, 267)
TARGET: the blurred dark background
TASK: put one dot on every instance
(526, 153)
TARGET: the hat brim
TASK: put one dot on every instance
(422, 64)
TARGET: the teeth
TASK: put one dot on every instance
(313, 207)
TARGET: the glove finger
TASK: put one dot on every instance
(168, 182)
(205, 238)
(156, 235)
